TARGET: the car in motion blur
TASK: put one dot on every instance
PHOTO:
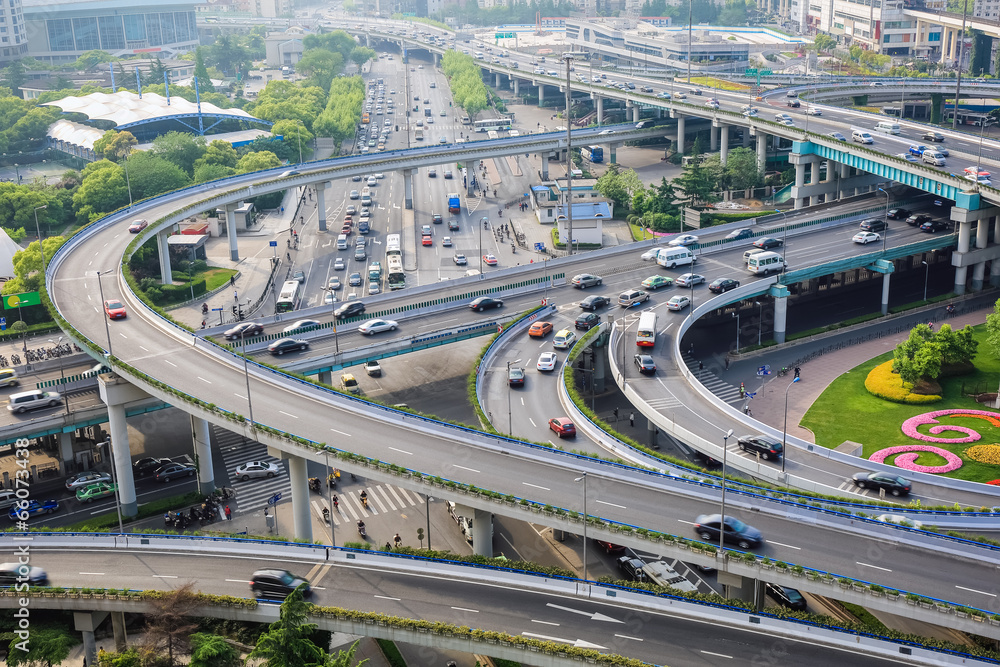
(243, 329)
(485, 302)
(282, 345)
(274, 584)
(892, 484)
(707, 526)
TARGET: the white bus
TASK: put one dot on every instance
(395, 277)
(487, 124)
(645, 336)
(288, 297)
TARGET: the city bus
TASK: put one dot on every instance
(594, 154)
(288, 297)
(395, 277)
(496, 124)
(645, 335)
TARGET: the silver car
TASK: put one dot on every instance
(264, 469)
(80, 480)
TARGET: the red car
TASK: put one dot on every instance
(563, 427)
(427, 241)
(137, 226)
(346, 230)
(490, 260)
(114, 309)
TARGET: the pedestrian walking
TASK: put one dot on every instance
(229, 514)
(701, 365)
(743, 390)
(727, 363)
(631, 419)
(398, 540)
(203, 323)
(616, 414)
(232, 281)
(797, 372)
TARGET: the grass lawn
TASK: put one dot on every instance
(846, 411)
(721, 84)
(216, 277)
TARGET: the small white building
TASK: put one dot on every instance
(588, 222)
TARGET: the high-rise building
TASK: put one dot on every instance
(13, 32)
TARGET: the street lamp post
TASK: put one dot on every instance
(62, 374)
(722, 523)
(583, 478)
(737, 316)
(128, 183)
(38, 230)
(784, 230)
(246, 372)
(333, 302)
(927, 270)
(885, 231)
(760, 320)
(114, 482)
(100, 287)
(510, 421)
(485, 221)
(568, 57)
(784, 428)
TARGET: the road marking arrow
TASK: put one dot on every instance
(579, 643)
(594, 616)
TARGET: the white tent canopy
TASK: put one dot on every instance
(7, 250)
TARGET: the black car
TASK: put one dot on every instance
(437, 219)
(786, 597)
(768, 243)
(282, 345)
(705, 459)
(594, 302)
(515, 376)
(587, 321)
(245, 329)
(765, 445)
(723, 285)
(645, 363)
(933, 136)
(349, 309)
(147, 466)
(453, 225)
(873, 225)
(738, 234)
(632, 568)
(277, 584)
(354, 280)
(918, 219)
(484, 302)
(795, 104)
(742, 535)
(356, 178)
(893, 484)
(173, 471)
(898, 214)
(935, 226)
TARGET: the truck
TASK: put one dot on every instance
(661, 574)
(454, 203)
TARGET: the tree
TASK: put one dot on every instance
(208, 650)
(103, 190)
(321, 66)
(218, 152)
(169, 623)
(694, 181)
(361, 54)
(993, 330)
(180, 148)
(229, 55)
(151, 175)
(296, 137)
(115, 145)
(201, 72)
(128, 658)
(344, 658)
(824, 42)
(211, 172)
(742, 170)
(257, 161)
(609, 184)
(733, 13)
(47, 647)
(286, 642)
(919, 356)
(14, 76)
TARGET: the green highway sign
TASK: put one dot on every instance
(504, 35)
(753, 71)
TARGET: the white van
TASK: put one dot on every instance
(887, 126)
(930, 156)
(32, 400)
(862, 137)
(764, 263)
(671, 258)
(342, 242)
(751, 252)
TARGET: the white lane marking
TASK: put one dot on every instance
(635, 639)
(164, 576)
(690, 523)
(787, 546)
(543, 488)
(611, 504)
(204, 380)
(464, 468)
(971, 590)
(874, 567)
(238, 581)
(382, 597)
(718, 655)
(340, 432)
(241, 396)
(288, 414)
(471, 611)
(143, 349)
(92, 574)
(533, 424)
(170, 362)
(544, 622)
(401, 451)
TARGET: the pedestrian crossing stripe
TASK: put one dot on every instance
(350, 509)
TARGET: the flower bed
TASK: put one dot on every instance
(910, 425)
(984, 454)
(908, 454)
(882, 382)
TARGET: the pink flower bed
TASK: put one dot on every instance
(908, 456)
(910, 425)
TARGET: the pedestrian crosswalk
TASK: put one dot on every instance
(349, 508)
(237, 450)
(727, 392)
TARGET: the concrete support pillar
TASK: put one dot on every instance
(885, 293)
(723, 144)
(814, 180)
(995, 264)
(962, 272)
(325, 377)
(482, 533)
(613, 153)
(746, 137)
(635, 114)
(680, 133)
(780, 316)
(86, 622)
(65, 452)
(121, 459)
(496, 80)
(653, 434)
(118, 627)
(599, 105)
(545, 166)
(234, 249)
(299, 478)
(845, 173)
(163, 250)
(541, 94)
(321, 204)
(761, 150)
(982, 240)
(470, 180)
(201, 437)
(408, 188)
(800, 181)
(713, 139)
(600, 371)
(517, 86)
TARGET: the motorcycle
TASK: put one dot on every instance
(314, 484)
(326, 514)
(361, 530)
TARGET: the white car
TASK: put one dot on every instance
(373, 288)
(750, 112)
(689, 279)
(338, 264)
(899, 520)
(714, 104)
(547, 361)
(446, 242)
(380, 175)
(678, 303)
(334, 283)
(264, 469)
(787, 121)
(377, 326)
(813, 111)
(460, 259)
(864, 238)
(80, 480)
(782, 117)
(683, 239)
(650, 255)
(329, 298)
(300, 325)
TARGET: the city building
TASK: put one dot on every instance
(13, 32)
(284, 48)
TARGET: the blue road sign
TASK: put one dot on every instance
(763, 370)
(273, 500)
(273, 244)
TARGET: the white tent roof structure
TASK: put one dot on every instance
(126, 108)
(7, 250)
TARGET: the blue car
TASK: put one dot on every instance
(33, 508)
